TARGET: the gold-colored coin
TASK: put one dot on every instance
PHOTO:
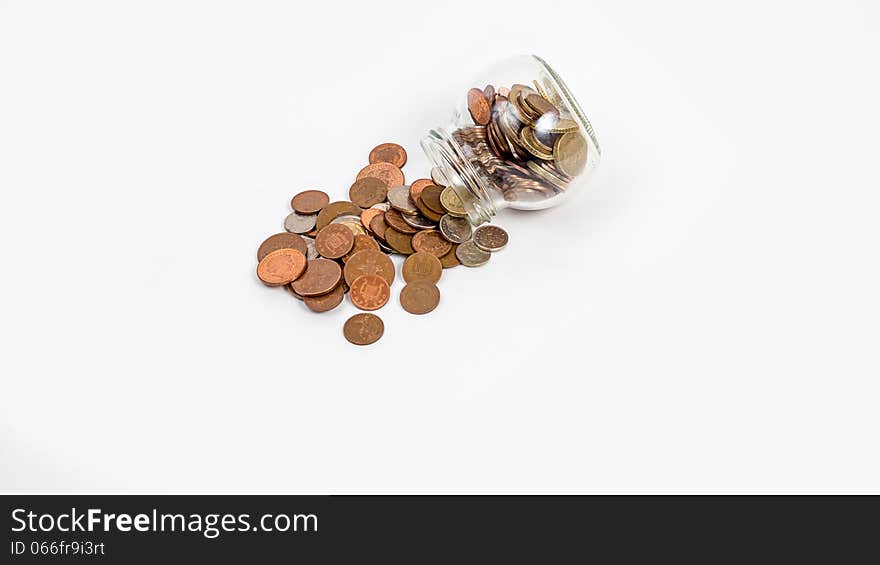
(452, 203)
(533, 146)
(563, 125)
(570, 153)
(333, 210)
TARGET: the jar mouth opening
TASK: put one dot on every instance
(569, 98)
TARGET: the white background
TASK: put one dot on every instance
(703, 319)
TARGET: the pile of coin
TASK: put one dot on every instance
(522, 142)
(331, 249)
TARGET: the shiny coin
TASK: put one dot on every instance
(370, 292)
(478, 106)
(450, 259)
(299, 223)
(378, 226)
(390, 174)
(353, 225)
(281, 267)
(388, 153)
(536, 148)
(361, 243)
(385, 247)
(394, 219)
(415, 189)
(334, 241)
(470, 255)
(398, 197)
(321, 276)
(490, 238)
(452, 203)
(281, 241)
(369, 262)
(400, 242)
(438, 177)
(311, 250)
(422, 267)
(431, 241)
(363, 329)
(564, 126)
(335, 209)
(455, 230)
(419, 297)
(418, 222)
(570, 153)
(367, 192)
(325, 302)
(309, 201)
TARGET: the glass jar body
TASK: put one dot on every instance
(517, 138)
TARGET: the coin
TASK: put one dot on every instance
(422, 267)
(564, 126)
(378, 225)
(281, 240)
(489, 92)
(530, 142)
(368, 191)
(299, 223)
(418, 222)
(353, 223)
(390, 174)
(431, 241)
(455, 230)
(450, 259)
(478, 106)
(321, 276)
(325, 302)
(490, 238)
(419, 297)
(470, 255)
(363, 329)
(311, 250)
(334, 241)
(439, 177)
(388, 153)
(415, 189)
(309, 201)
(361, 243)
(369, 262)
(335, 209)
(394, 219)
(570, 153)
(430, 197)
(281, 266)
(370, 292)
(399, 198)
(400, 242)
(368, 215)
(451, 203)
(539, 104)
(427, 212)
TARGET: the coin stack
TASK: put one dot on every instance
(522, 142)
(331, 249)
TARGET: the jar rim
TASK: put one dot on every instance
(569, 98)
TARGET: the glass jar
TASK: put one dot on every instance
(517, 138)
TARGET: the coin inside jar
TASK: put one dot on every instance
(422, 266)
(281, 267)
(309, 201)
(470, 255)
(420, 297)
(363, 329)
(431, 241)
(388, 173)
(367, 192)
(570, 153)
(388, 153)
(325, 302)
(478, 106)
(369, 262)
(280, 241)
(455, 230)
(490, 238)
(321, 276)
(334, 241)
(369, 292)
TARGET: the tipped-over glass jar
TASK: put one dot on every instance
(518, 138)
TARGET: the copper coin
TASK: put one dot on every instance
(431, 241)
(321, 276)
(378, 225)
(368, 215)
(361, 243)
(388, 153)
(388, 173)
(281, 241)
(325, 302)
(427, 212)
(367, 192)
(430, 197)
(334, 241)
(369, 262)
(281, 267)
(393, 219)
(400, 242)
(490, 238)
(335, 209)
(370, 292)
(415, 189)
(422, 267)
(450, 259)
(363, 329)
(419, 297)
(478, 106)
(309, 201)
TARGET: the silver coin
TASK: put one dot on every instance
(384, 206)
(299, 223)
(455, 230)
(418, 221)
(470, 255)
(311, 250)
(490, 238)
(438, 177)
(400, 200)
(384, 246)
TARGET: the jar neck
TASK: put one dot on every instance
(448, 155)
